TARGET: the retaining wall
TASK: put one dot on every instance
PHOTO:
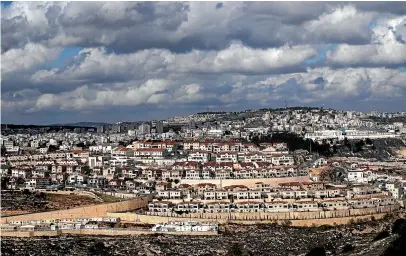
(99, 210)
(103, 232)
(298, 218)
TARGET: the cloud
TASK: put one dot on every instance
(152, 92)
(341, 25)
(95, 65)
(131, 26)
(142, 60)
(32, 56)
(320, 84)
(386, 49)
(366, 55)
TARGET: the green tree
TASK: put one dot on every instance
(86, 170)
(4, 182)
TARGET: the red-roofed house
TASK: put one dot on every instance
(151, 152)
(122, 152)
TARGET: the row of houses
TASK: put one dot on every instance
(274, 206)
(249, 157)
(234, 146)
(65, 220)
(230, 173)
(186, 226)
(292, 190)
(50, 156)
(47, 227)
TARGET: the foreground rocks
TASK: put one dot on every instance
(359, 239)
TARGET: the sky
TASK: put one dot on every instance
(64, 62)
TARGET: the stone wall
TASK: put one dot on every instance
(103, 232)
(300, 218)
(99, 210)
(112, 232)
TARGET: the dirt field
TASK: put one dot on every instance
(402, 152)
(16, 203)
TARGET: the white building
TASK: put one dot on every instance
(356, 176)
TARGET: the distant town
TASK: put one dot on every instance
(192, 173)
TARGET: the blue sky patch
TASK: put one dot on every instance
(67, 54)
(6, 3)
(322, 55)
(372, 24)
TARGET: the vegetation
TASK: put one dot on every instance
(381, 235)
(398, 246)
(398, 225)
(86, 170)
(237, 250)
(348, 248)
(294, 142)
(317, 251)
(108, 198)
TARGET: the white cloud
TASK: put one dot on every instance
(341, 24)
(28, 58)
(96, 64)
(325, 84)
(386, 50)
(150, 92)
(238, 58)
(160, 54)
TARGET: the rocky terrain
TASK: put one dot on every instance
(22, 202)
(371, 238)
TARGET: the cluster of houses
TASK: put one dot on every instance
(292, 196)
(58, 224)
(186, 226)
(123, 168)
(166, 168)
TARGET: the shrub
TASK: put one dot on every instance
(381, 235)
(237, 250)
(348, 248)
(287, 223)
(317, 251)
(398, 225)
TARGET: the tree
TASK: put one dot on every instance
(20, 181)
(4, 182)
(358, 146)
(317, 251)
(52, 148)
(3, 150)
(80, 144)
(176, 181)
(237, 250)
(86, 170)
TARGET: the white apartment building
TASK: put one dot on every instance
(394, 189)
(199, 156)
(356, 176)
(226, 157)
